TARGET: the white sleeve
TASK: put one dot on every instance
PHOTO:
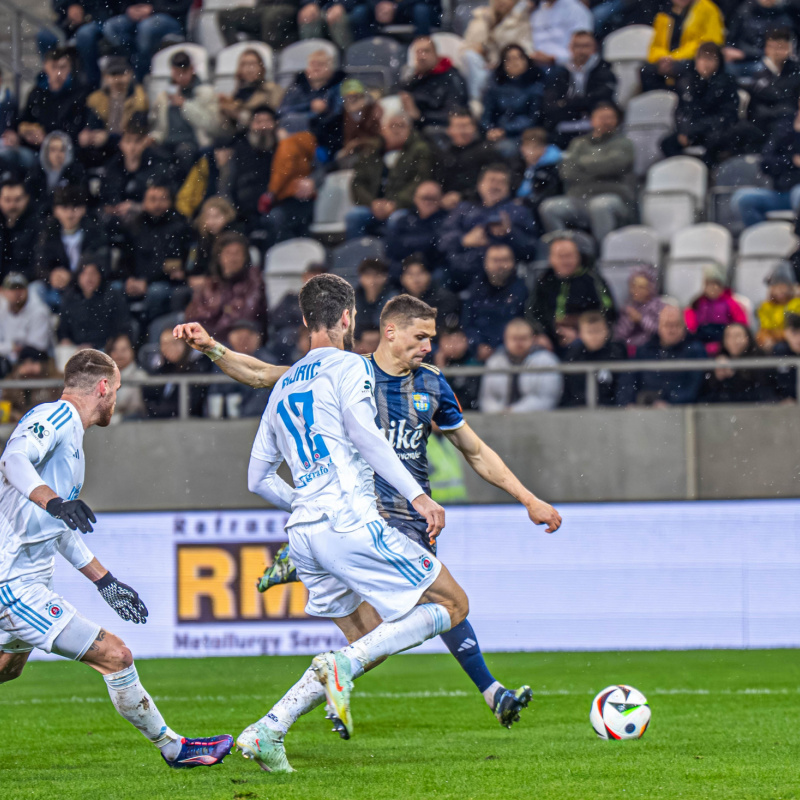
(359, 422)
(72, 546)
(263, 480)
(17, 465)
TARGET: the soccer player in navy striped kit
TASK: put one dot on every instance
(410, 396)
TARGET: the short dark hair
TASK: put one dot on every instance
(69, 196)
(537, 135)
(497, 166)
(591, 318)
(609, 104)
(405, 309)
(414, 258)
(61, 51)
(159, 183)
(373, 265)
(792, 321)
(86, 368)
(324, 299)
(779, 34)
(137, 125)
(460, 111)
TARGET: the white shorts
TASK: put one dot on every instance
(32, 616)
(375, 563)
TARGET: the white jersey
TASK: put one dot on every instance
(29, 536)
(303, 424)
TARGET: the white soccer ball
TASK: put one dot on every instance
(620, 712)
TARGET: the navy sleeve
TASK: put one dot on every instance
(448, 416)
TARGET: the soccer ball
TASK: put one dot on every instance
(620, 712)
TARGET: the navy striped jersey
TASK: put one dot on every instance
(407, 405)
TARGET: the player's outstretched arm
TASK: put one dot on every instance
(242, 368)
(494, 470)
(121, 597)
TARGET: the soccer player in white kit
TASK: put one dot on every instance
(42, 464)
(385, 592)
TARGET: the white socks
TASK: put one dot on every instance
(489, 694)
(135, 705)
(420, 624)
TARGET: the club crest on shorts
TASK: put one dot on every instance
(54, 610)
(426, 563)
(422, 401)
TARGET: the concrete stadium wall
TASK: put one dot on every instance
(564, 456)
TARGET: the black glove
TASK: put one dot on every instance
(75, 513)
(124, 600)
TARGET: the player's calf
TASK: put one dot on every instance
(108, 654)
(11, 666)
(447, 593)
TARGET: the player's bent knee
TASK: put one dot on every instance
(10, 672)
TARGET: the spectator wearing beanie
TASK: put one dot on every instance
(119, 97)
(680, 28)
(234, 292)
(638, 317)
(781, 302)
(713, 310)
(92, 311)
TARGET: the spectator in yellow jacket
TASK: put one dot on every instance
(119, 97)
(781, 301)
(679, 31)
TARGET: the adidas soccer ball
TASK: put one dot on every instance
(620, 712)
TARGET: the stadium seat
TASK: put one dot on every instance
(347, 256)
(691, 250)
(293, 59)
(761, 248)
(648, 119)
(284, 265)
(332, 203)
(674, 195)
(735, 173)
(391, 104)
(626, 50)
(228, 60)
(376, 62)
(158, 79)
(204, 29)
(462, 16)
(447, 44)
(623, 252)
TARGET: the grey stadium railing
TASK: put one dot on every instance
(589, 369)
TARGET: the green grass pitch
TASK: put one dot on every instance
(725, 725)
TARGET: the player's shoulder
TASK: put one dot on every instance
(358, 364)
(55, 415)
(430, 368)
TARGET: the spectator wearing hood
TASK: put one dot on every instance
(567, 289)
(25, 320)
(552, 24)
(713, 310)
(663, 389)
(459, 159)
(512, 100)
(775, 87)
(342, 132)
(119, 96)
(186, 114)
(473, 227)
(315, 91)
(251, 90)
(492, 28)
(575, 87)
(597, 172)
(56, 103)
(418, 231)
(747, 32)
(496, 296)
(594, 343)
(638, 318)
(92, 311)
(540, 162)
(523, 345)
(66, 238)
(434, 89)
(726, 385)
(32, 364)
(681, 26)
(19, 229)
(234, 292)
(368, 17)
(210, 176)
(59, 167)
(708, 108)
(139, 30)
(386, 177)
(781, 301)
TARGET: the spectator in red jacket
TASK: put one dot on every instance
(235, 291)
(713, 310)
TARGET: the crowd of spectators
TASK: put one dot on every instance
(120, 216)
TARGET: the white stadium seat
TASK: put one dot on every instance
(285, 264)
(761, 248)
(293, 59)
(228, 61)
(692, 249)
(158, 79)
(623, 252)
(447, 44)
(626, 50)
(648, 119)
(332, 203)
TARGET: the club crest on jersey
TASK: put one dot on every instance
(426, 563)
(421, 400)
(39, 430)
(54, 610)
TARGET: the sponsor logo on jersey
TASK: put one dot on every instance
(304, 480)
(54, 610)
(368, 386)
(402, 436)
(39, 430)
(426, 563)
(421, 400)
